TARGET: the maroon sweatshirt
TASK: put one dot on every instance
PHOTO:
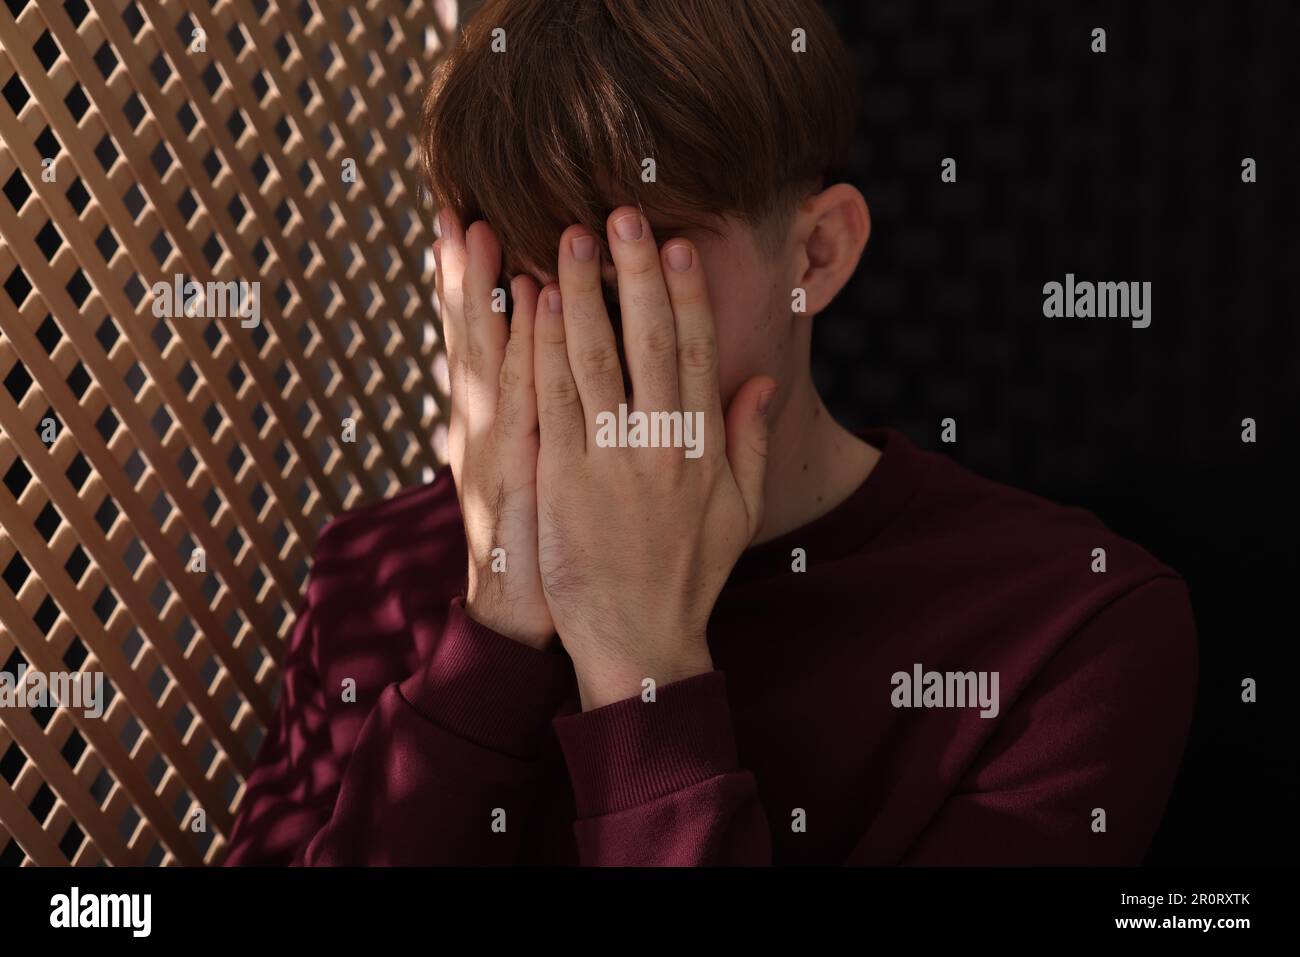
(843, 724)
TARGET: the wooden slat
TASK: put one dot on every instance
(127, 440)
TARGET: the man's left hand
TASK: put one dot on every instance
(635, 543)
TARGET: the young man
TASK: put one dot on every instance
(662, 608)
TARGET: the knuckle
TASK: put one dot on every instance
(659, 342)
(472, 349)
(598, 362)
(697, 356)
(640, 266)
(510, 377)
(560, 392)
(467, 366)
(658, 346)
(453, 292)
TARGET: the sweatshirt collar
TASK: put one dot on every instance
(851, 525)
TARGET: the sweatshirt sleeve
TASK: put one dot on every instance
(1080, 770)
(442, 771)
(660, 783)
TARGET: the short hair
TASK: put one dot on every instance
(740, 103)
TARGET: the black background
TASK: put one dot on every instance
(1122, 166)
(342, 910)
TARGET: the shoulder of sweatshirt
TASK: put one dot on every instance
(416, 530)
(1006, 548)
(1013, 581)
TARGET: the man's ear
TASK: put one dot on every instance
(833, 228)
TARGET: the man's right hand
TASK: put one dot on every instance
(492, 438)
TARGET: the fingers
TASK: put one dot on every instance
(649, 337)
(516, 400)
(451, 279)
(449, 253)
(485, 328)
(559, 407)
(593, 354)
(697, 348)
(747, 433)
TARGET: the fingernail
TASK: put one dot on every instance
(629, 228)
(680, 258)
(765, 401)
(553, 302)
(584, 247)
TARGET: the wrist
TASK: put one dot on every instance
(601, 684)
(488, 615)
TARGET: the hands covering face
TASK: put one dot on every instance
(621, 550)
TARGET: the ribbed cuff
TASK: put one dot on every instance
(632, 751)
(489, 689)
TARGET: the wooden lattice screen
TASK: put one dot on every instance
(219, 140)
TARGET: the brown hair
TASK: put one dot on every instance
(553, 130)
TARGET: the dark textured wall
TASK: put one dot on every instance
(1122, 166)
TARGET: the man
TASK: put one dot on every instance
(664, 609)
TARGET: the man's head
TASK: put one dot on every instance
(721, 119)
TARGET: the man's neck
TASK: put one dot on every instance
(813, 465)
